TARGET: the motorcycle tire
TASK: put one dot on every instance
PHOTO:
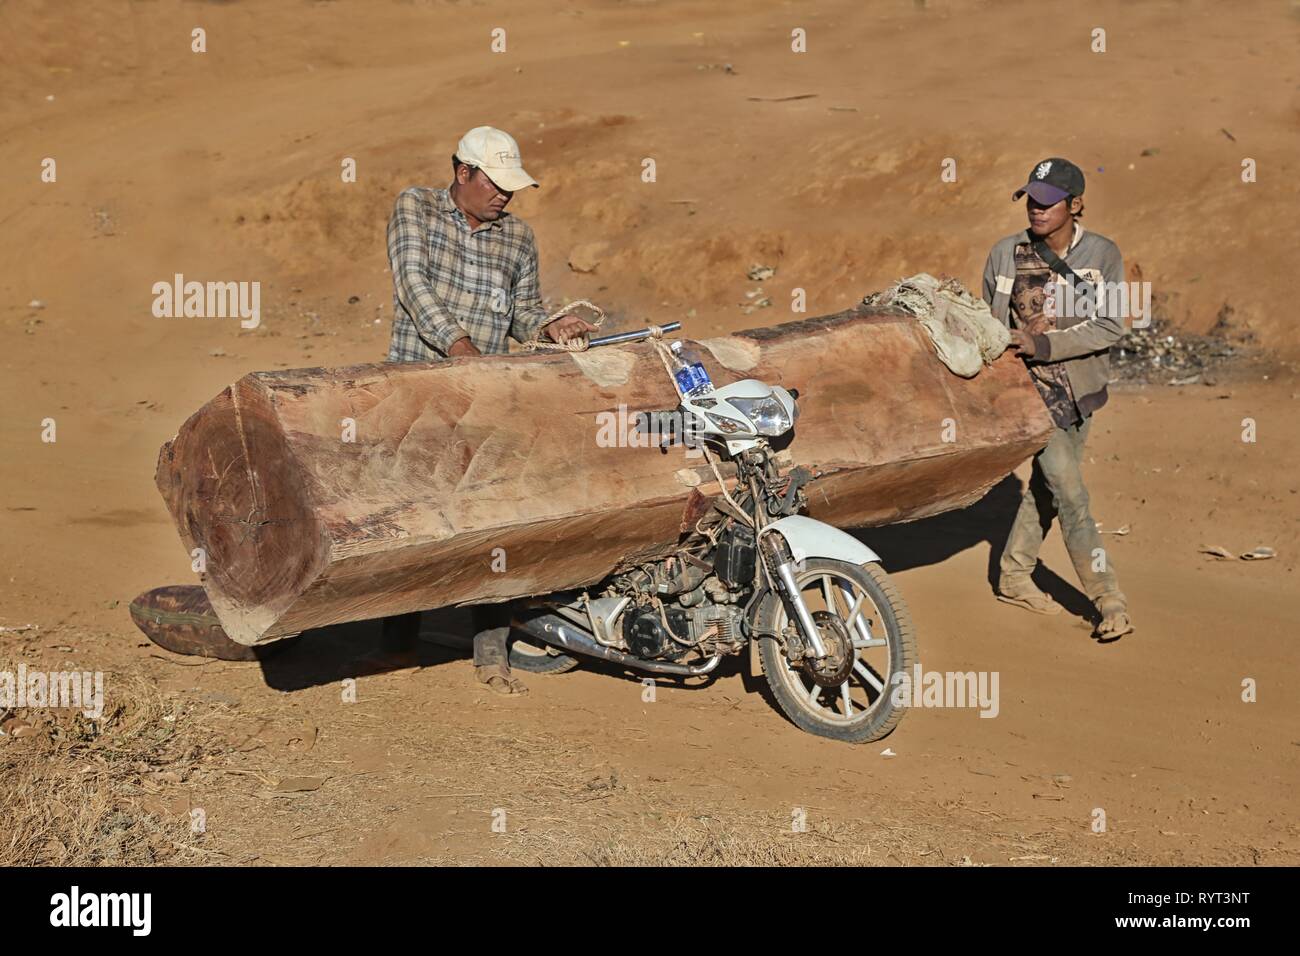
(890, 629)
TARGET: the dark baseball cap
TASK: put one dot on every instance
(1051, 181)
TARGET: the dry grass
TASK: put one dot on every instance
(72, 788)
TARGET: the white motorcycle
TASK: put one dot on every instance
(830, 627)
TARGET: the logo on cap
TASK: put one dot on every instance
(1043, 169)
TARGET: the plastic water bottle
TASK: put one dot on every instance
(691, 377)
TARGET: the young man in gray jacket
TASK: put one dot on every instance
(1037, 283)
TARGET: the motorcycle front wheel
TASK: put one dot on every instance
(868, 631)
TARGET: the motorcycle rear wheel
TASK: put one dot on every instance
(536, 658)
(860, 707)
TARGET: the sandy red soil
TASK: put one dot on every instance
(226, 165)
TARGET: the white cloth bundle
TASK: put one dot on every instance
(965, 335)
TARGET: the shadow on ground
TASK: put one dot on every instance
(988, 521)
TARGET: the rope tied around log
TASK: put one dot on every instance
(578, 344)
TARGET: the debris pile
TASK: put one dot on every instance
(1163, 354)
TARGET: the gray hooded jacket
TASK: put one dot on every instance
(1083, 345)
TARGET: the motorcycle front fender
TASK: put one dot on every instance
(809, 538)
(806, 538)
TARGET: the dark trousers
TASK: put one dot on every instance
(491, 630)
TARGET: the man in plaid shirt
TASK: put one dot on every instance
(465, 280)
(464, 269)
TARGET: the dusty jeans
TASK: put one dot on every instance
(1056, 489)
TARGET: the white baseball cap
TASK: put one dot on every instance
(496, 153)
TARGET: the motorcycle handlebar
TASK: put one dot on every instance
(661, 423)
(636, 335)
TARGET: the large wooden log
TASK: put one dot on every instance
(457, 467)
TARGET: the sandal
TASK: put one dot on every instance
(1115, 622)
(1031, 599)
(1114, 626)
(501, 682)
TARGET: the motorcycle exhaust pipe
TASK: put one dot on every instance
(554, 630)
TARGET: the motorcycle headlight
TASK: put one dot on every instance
(767, 413)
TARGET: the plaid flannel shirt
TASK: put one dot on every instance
(449, 282)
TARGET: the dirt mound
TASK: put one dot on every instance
(296, 225)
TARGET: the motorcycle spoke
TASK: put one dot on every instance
(814, 694)
(855, 621)
(866, 674)
(828, 594)
(857, 606)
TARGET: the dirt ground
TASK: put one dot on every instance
(226, 165)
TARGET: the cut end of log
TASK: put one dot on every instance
(243, 510)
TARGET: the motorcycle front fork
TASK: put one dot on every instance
(776, 553)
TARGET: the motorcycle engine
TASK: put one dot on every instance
(712, 627)
(644, 634)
